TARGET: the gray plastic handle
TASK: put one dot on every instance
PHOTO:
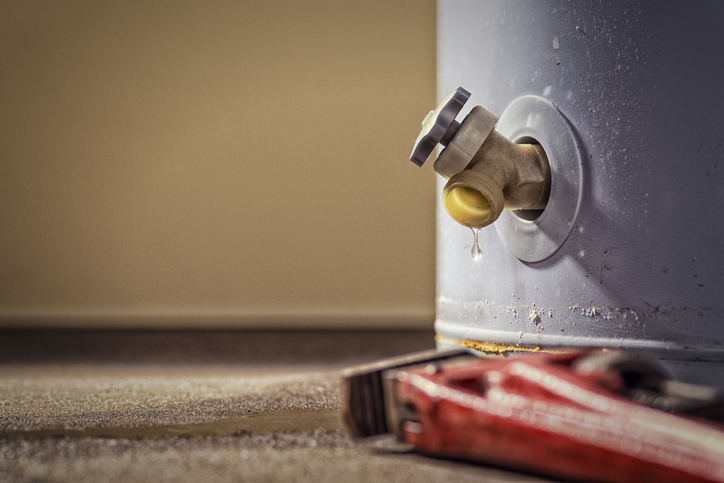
(436, 124)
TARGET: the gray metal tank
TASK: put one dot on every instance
(639, 84)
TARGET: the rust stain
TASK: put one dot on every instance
(493, 348)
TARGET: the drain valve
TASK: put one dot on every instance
(486, 172)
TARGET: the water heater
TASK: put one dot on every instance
(624, 101)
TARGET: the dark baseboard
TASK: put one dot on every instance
(208, 347)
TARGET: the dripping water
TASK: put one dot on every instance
(476, 252)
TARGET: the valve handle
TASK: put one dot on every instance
(436, 125)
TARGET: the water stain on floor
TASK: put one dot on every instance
(260, 423)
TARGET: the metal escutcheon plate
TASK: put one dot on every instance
(536, 240)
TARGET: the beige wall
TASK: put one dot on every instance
(225, 163)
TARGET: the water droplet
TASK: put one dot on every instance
(476, 252)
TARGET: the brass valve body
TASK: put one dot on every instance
(488, 173)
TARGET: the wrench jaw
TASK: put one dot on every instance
(365, 404)
(396, 412)
(402, 415)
